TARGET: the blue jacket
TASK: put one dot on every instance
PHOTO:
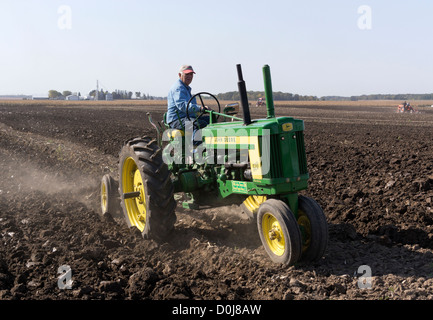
(177, 100)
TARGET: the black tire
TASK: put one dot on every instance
(142, 170)
(314, 229)
(287, 246)
(110, 197)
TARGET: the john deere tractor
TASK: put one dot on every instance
(259, 165)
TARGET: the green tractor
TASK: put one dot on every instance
(259, 165)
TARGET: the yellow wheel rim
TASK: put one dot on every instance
(305, 226)
(133, 182)
(104, 197)
(253, 203)
(273, 234)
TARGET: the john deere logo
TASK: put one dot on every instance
(287, 126)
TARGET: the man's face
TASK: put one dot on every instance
(186, 77)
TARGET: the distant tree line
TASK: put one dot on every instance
(120, 95)
(255, 95)
(116, 95)
(54, 94)
(409, 96)
(252, 96)
(284, 96)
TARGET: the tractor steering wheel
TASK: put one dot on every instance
(202, 103)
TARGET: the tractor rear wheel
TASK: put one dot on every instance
(110, 197)
(146, 189)
(314, 229)
(279, 232)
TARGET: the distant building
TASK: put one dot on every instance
(72, 97)
(108, 97)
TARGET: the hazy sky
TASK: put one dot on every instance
(314, 47)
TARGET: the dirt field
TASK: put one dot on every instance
(371, 171)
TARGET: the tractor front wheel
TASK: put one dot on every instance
(279, 232)
(314, 229)
(146, 189)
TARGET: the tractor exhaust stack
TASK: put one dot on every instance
(243, 96)
(268, 92)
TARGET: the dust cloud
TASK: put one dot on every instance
(23, 178)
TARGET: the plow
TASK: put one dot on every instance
(259, 165)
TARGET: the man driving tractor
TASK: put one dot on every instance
(177, 100)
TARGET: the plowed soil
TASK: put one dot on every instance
(371, 170)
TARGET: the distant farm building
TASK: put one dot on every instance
(72, 97)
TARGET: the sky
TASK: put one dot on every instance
(313, 47)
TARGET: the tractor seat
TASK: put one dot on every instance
(173, 133)
(170, 132)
